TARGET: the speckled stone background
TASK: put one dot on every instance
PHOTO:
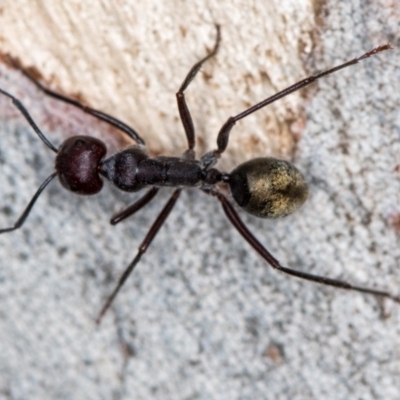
(203, 317)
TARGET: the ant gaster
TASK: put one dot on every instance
(264, 187)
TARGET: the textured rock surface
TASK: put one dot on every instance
(203, 317)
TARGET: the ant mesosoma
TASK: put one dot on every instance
(264, 187)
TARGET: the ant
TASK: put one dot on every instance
(265, 187)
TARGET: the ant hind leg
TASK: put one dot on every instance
(274, 263)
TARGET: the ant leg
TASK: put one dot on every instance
(117, 218)
(96, 113)
(267, 256)
(180, 96)
(223, 135)
(142, 249)
(31, 122)
(28, 209)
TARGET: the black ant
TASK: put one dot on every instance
(265, 187)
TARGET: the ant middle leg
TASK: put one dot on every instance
(158, 223)
(135, 207)
(116, 123)
(184, 112)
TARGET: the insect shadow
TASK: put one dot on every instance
(265, 187)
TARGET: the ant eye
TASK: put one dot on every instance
(79, 142)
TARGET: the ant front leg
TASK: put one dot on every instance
(184, 112)
(116, 123)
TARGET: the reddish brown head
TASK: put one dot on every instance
(77, 163)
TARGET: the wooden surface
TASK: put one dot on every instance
(131, 66)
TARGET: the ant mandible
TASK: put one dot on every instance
(265, 187)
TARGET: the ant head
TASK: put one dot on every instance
(77, 164)
(268, 187)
